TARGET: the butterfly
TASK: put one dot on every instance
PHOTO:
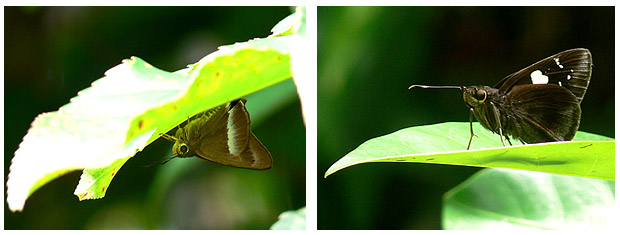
(540, 103)
(221, 135)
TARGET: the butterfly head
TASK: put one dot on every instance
(475, 96)
(181, 149)
(181, 146)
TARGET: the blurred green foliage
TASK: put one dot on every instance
(53, 52)
(291, 220)
(369, 56)
(521, 200)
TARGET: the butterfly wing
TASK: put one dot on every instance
(261, 158)
(543, 113)
(229, 141)
(570, 69)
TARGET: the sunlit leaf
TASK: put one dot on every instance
(291, 24)
(123, 112)
(587, 155)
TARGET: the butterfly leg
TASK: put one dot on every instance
(203, 113)
(501, 136)
(471, 127)
(499, 125)
(168, 137)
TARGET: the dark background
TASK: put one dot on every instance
(369, 56)
(51, 53)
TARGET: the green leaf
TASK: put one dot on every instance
(291, 220)
(512, 199)
(94, 182)
(302, 54)
(123, 112)
(291, 24)
(587, 155)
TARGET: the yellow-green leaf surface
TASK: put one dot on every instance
(291, 220)
(509, 200)
(302, 54)
(292, 24)
(587, 155)
(123, 112)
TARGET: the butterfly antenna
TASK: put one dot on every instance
(436, 87)
(160, 162)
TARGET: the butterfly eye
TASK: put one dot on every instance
(184, 149)
(481, 95)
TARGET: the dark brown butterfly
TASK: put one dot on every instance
(540, 103)
(222, 135)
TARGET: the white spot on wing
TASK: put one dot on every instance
(539, 78)
(568, 77)
(231, 133)
(557, 61)
(560, 82)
